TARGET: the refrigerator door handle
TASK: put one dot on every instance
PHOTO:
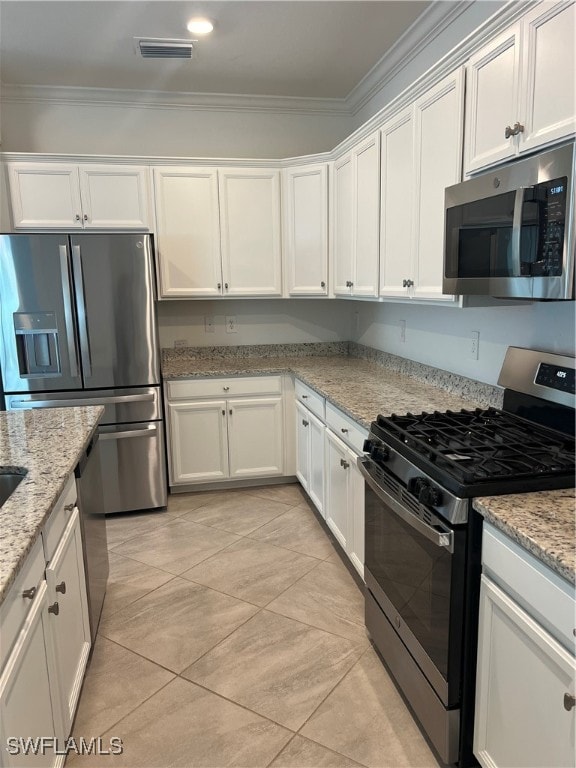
(81, 304)
(68, 316)
(149, 431)
(56, 403)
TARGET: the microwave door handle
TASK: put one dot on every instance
(68, 316)
(516, 232)
(440, 539)
(81, 304)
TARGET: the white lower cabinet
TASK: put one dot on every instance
(345, 499)
(526, 678)
(231, 438)
(45, 642)
(310, 455)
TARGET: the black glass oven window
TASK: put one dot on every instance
(415, 575)
(479, 238)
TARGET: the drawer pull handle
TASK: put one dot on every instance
(305, 423)
(344, 464)
(225, 389)
(569, 702)
(230, 411)
(69, 507)
(55, 609)
(304, 397)
(29, 593)
(223, 412)
(344, 430)
(61, 587)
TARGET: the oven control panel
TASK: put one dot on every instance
(557, 377)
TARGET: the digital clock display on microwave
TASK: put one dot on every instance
(557, 190)
(556, 377)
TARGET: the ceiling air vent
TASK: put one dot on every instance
(163, 48)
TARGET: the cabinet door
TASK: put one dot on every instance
(356, 520)
(548, 75)
(337, 480)
(366, 217)
(522, 678)
(256, 436)
(397, 209)
(317, 463)
(250, 231)
(306, 230)
(303, 446)
(188, 231)
(29, 700)
(438, 150)
(115, 196)
(492, 101)
(343, 235)
(198, 441)
(45, 195)
(70, 625)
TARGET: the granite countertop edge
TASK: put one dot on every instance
(25, 512)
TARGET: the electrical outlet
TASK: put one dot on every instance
(474, 345)
(231, 326)
(402, 331)
(209, 324)
(180, 342)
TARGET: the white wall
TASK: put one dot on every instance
(259, 321)
(441, 336)
(179, 132)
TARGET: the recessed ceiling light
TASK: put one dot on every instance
(200, 26)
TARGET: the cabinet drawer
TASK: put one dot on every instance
(543, 594)
(312, 400)
(346, 428)
(58, 520)
(223, 388)
(15, 608)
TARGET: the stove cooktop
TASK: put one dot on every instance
(481, 452)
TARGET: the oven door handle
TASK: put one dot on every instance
(439, 538)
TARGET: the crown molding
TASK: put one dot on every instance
(225, 102)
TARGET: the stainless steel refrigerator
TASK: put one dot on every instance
(78, 327)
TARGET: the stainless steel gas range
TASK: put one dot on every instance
(423, 537)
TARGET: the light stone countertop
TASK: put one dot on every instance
(542, 522)
(48, 443)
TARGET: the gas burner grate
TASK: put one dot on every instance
(480, 445)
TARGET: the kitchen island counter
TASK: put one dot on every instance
(48, 443)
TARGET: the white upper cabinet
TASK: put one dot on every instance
(305, 227)
(188, 231)
(68, 196)
(421, 156)
(356, 211)
(521, 87)
(250, 231)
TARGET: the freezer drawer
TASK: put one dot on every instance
(133, 466)
(120, 405)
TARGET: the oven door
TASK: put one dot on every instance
(415, 570)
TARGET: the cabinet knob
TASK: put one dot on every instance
(344, 464)
(61, 587)
(305, 423)
(304, 397)
(85, 217)
(219, 286)
(69, 507)
(225, 389)
(322, 284)
(344, 430)
(77, 217)
(55, 609)
(230, 411)
(409, 283)
(514, 130)
(29, 593)
(223, 412)
(569, 702)
(226, 286)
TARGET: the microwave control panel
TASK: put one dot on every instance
(550, 198)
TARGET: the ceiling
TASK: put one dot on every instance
(297, 49)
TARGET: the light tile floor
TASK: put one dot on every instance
(233, 635)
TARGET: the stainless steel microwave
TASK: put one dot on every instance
(510, 232)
